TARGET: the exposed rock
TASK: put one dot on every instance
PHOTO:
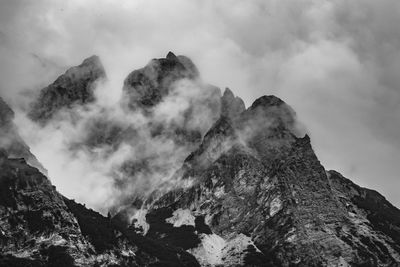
(255, 177)
(39, 227)
(231, 106)
(74, 87)
(248, 189)
(10, 139)
(146, 87)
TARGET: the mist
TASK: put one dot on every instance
(335, 62)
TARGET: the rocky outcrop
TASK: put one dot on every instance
(11, 141)
(255, 181)
(146, 87)
(231, 106)
(40, 227)
(74, 87)
(244, 188)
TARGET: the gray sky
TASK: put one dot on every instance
(337, 63)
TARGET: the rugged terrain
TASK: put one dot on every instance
(241, 187)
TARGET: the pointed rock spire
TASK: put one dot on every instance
(231, 106)
(171, 56)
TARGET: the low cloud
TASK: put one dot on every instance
(335, 62)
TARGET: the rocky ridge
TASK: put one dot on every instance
(40, 227)
(74, 87)
(249, 190)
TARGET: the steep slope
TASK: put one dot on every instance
(11, 141)
(39, 227)
(260, 197)
(75, 86)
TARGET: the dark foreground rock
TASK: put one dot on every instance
(40, 227)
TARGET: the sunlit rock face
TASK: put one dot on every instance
(74, 87)
(234, 186)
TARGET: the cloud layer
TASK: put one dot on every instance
(335, 62)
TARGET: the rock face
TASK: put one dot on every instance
(172, 108)
(40, 227)
(10, 140)
(146, 87)
(75, 86)
(231, 106)
(245, 188)
(260, 197)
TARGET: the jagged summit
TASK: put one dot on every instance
(75, 86)
(146, 87)
(231, 106)
(267, 101)
(238, 188)
(171, 56)
(92, 61)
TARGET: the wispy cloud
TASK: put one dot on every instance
(335, 62)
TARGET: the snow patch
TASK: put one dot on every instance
(214, 250)
(275, 206)
(181, 217)
(210, 250)
(139, 220)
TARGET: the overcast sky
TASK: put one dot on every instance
(337, 63)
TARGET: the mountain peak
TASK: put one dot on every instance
(93, 61)
(146, 87)
(171, 56)
(267, 101)
(74, 87)
(231, 106)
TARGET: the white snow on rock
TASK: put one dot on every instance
(181, 217)
(219, 192)
(275, 206)
(139, 220)
(214, 250)
(209, 251)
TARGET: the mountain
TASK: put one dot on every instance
(235, 186)
(260, 197)
(75, 86)
(144, 88)
(40, 227)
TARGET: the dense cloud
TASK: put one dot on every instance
(335, 62)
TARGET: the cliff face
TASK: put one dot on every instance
(245, 187)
